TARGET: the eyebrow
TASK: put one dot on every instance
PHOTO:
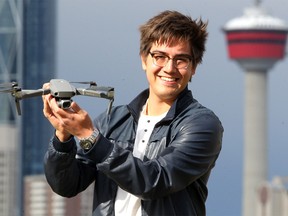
(178, 55)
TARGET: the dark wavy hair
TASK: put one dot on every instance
(172, 26)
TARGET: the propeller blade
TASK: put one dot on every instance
(6, 90)
(8, 85)
(91, 83)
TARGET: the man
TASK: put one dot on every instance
(154, 155)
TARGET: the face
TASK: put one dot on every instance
(167, 82)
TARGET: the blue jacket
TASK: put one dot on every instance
(172, 178)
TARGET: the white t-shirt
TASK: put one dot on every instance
(127, 204)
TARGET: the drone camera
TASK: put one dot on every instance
(64, 103)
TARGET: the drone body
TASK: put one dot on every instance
(62, 90)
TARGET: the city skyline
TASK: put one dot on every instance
(218, 83)
(99, 41)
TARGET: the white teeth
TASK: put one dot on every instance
(168, 79)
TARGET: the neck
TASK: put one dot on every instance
(156, 108)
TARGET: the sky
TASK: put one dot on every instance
(99, 40)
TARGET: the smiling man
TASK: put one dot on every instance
(150, 157)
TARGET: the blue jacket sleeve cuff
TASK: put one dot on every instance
(64, 147)
(100, 151)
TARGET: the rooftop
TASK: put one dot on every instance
(256, 18)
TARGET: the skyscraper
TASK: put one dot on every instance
(39, 66)
(10, 70)
(27, 55)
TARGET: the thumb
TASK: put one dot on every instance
(75, 107)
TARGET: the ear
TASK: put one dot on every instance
(193, 70)
(144, 62)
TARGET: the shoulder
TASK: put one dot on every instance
(198, 116)
(116, 115)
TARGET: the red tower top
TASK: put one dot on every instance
(256, 40)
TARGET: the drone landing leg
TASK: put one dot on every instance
(18, 106)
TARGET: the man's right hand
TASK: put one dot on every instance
(72, 121)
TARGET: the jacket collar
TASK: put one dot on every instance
(184, 99)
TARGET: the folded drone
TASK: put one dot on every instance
(62, 90)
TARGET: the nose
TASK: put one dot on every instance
(170, 66)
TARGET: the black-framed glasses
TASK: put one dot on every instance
(179, 61)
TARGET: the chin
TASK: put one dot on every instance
(169, 95)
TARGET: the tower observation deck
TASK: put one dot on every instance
(256, 41)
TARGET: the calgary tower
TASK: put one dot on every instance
(256, 41)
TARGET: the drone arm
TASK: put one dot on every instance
(30, 93)
(27, 94)
(101, 92)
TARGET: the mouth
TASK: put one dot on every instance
(169, 79)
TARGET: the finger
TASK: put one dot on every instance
(75, 107)
(54, 105)
(46, 108)
(45, 86)
(46, 97)
(47, 105)
(60, 113)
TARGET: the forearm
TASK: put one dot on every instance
(63, 171)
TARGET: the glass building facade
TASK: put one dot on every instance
(10, 70)
(10, 54)
(39, 66)
(27, 56)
